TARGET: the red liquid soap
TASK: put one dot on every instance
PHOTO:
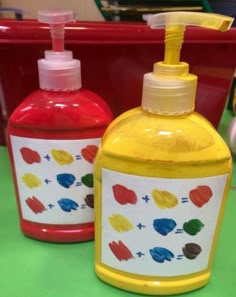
(53, 137)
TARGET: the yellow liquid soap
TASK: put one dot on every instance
(178, 153)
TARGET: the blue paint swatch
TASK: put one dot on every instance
(67, 204)
(160, 254)
(164, 226)
(65, 179)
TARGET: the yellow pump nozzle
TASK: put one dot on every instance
(175, 22)
(170, 88)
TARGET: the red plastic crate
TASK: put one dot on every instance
(114, 58)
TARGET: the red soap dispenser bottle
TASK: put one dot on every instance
(53, 136)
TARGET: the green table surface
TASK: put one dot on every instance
(31, 268)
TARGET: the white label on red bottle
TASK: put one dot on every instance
(158, 226)
(55, 179)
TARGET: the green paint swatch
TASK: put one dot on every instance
(87, 180)
(192, 227)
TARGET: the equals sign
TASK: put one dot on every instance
(83, 206)
(180, 257)
(179, 231)
(78, 157)
(77, 184)
(184, 199)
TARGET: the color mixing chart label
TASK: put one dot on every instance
(159, 227)
(55, 179)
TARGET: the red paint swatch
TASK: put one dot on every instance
(120, 250)
(124, 195)
(89, 153)
(35, 205)
(30, 156)
(200, 195)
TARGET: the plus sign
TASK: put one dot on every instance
(47, 181)
(140, 226)
(140, 254)
(51, 206)
(47, 157)
(146, 198)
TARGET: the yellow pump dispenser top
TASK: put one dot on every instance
(170, 88)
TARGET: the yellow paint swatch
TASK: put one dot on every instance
(62, 157)
(31, 181)
(164, 199)
(120, 223)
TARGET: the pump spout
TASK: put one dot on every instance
(174, 35)
(57, 20)
(175, 22)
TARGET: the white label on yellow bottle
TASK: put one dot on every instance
(55, 179)
(157, 226)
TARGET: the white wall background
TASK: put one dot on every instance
(83, 9)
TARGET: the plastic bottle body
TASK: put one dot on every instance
(52, 140)
(153, 234)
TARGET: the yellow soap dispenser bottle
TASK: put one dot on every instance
(162, 176)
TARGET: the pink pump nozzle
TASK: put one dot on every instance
(57, 20)
(58, 71)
